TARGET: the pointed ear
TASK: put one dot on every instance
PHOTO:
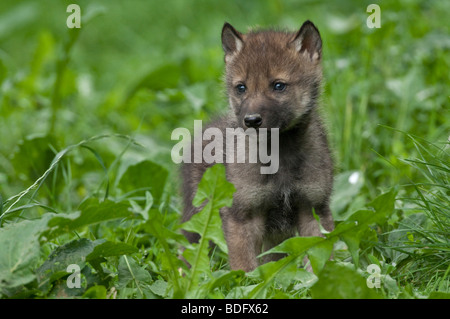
(307, 40)
(231, 40)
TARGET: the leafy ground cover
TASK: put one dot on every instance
(86, 177)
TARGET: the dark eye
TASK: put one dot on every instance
(279, 86)
(241, 88)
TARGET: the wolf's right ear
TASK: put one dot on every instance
(231, 40)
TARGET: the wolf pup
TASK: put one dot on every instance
(273, 81)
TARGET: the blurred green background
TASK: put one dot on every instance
(143, 68)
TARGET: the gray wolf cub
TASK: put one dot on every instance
(273, 80)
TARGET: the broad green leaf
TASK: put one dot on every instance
(220, 279)
(357, 225)
(61, 289)
(349, 232)
(214, 232)
(318, 249)
(240, 292)
(197, 256)
(72, 253)
(155, 226)
(282, 278)
(390, 285)
(383, 205)
(214, 188)
(403, 234)
(319, 254)
(270, 271)
(295, 245)
(382, 208)
(90, 212)
(352, 240)
(306, 279)
(108, 249)
(347, 186)
(130, 272)
(19, 252)
(340, 282)
(145, 175)
(169, 262)
(218, 192)
(159, 287)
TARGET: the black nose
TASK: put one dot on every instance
(253, 120)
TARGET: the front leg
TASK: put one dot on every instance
(274, 239)
(308, 225)
(244, 241)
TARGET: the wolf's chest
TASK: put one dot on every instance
(257, 191)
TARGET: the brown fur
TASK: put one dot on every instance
(268, 209)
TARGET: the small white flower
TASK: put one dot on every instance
(353, 179)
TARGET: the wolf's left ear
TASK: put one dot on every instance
(231, 40)
(308, 40)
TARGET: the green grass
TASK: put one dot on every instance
(86, 176)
